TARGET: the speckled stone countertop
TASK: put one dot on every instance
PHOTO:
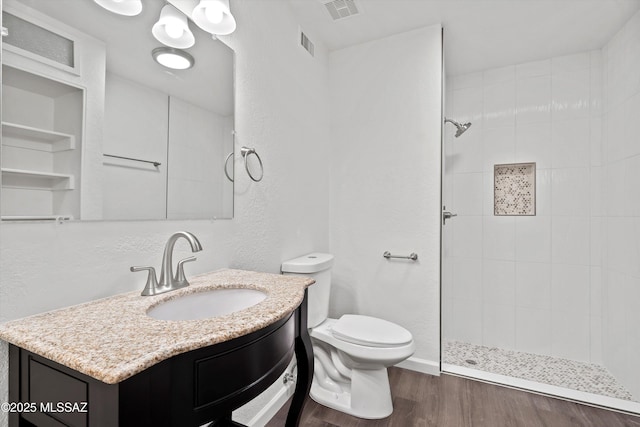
(112, 339)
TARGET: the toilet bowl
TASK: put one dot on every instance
(351, 354)
(352, 376)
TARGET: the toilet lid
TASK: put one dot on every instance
(370, 331)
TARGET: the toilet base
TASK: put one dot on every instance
(353, 378)
(369, 394)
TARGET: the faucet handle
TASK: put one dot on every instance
(151, 288)
(180, 278)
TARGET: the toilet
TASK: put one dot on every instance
(352, 353)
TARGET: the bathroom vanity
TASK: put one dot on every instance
(108, 363)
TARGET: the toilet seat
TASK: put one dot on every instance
(370, 331)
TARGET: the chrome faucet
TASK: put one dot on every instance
(166, 274)
(169, 281)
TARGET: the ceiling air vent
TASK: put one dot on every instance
(340, 9)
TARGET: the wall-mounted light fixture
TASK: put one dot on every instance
(172, 29)
(122, 7)
(175, 59)
(214, 16)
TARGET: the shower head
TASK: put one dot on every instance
(462, 128)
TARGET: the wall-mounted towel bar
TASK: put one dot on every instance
(156, 164)
(412, 256)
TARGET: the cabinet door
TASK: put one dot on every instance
(63, 397)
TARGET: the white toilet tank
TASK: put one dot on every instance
(318, 267)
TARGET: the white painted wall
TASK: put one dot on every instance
(196, 143)
(135, 125)
(282, 111)
(385, 182)
(190, 146)
(621, 206)
(525, 283)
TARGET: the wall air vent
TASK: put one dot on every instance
(340, 9)
(306, 43)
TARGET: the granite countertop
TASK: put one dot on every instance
(112, 339)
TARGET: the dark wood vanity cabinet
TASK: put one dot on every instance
(190, 389)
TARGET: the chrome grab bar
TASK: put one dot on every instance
(412, 256)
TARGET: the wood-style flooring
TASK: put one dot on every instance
(448, 401)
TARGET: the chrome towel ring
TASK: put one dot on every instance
(245, 152)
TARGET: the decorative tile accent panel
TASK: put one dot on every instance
(514, 189)
(581, 376)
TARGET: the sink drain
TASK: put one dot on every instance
(471, 362)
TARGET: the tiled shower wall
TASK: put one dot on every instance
(526, 283)
(621, 207)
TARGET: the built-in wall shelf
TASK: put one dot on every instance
(36, 180)
(21, 136)
(43, 131)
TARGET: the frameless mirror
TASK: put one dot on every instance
(163, 137)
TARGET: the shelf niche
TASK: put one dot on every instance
(42, 132)
(29, 137)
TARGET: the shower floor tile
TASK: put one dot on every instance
(566, 373)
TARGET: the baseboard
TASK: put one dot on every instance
(421, 365)
(273, 406)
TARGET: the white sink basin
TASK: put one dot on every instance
(207, 304)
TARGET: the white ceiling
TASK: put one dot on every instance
(478, 34)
